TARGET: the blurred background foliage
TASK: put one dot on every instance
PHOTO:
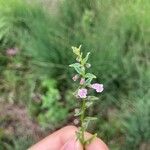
(35, 81)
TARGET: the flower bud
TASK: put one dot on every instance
(88, 65)
(77, 59)
(75, 78)
(82, 81)
(76, 121)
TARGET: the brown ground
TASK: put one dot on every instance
(15, 121)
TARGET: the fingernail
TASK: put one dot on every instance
(72, 144)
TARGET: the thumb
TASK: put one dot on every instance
(72, 144)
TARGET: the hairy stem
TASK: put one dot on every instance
(82, 121)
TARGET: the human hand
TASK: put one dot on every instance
(65, 139)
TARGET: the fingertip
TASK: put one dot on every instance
(72, 144)
(70, 128)
(60, 137)
(97, 144)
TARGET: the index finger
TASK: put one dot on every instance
(97, 144)
(56, 140)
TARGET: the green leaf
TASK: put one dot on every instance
(79, 70)
(88, 81)
(90, 75)
(91, 139)
(78, 112)
(85, 124)
(92, 98)
(88, 104)
(77, 67)
(86, 58)
(90, 118)
(76, 50)
(87, 121)
(79, 135)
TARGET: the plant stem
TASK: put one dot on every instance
(82, 121)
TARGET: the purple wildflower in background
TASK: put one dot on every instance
(11, 51)
(98, 87)
(82, 93)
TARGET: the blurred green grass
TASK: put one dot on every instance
(118, 35)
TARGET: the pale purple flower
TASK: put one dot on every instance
(82, 93)
(75, 78)
(98, 87)
(11, 51)
(82, 81)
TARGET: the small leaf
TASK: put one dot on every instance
(77, 67)
(90, 75)
(87, 121)
(90, 118)
(78, 135)
(85, 124)
(91, 139)
(86, 58)
(77, 112)
(92, 98)
(76, 50)
(80, 46)
(88, 104)
(78, 59)
(88, 81)
(79, 70)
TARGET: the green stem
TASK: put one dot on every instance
(82, 121)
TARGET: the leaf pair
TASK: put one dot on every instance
(79, 54)
(78, 68)
(87, 120)
(86, 142)
(89, 77)
(76, 50)
(78, 112)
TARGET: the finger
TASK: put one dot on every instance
(97, 144)
(72, 144)
(56, 140)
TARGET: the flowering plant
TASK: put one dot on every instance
(83, 92)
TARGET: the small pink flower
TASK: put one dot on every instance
(82, 81)
(11, 51)
(98, 87)
(75, 78)
(82, 93)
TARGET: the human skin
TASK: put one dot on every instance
(65, 139)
